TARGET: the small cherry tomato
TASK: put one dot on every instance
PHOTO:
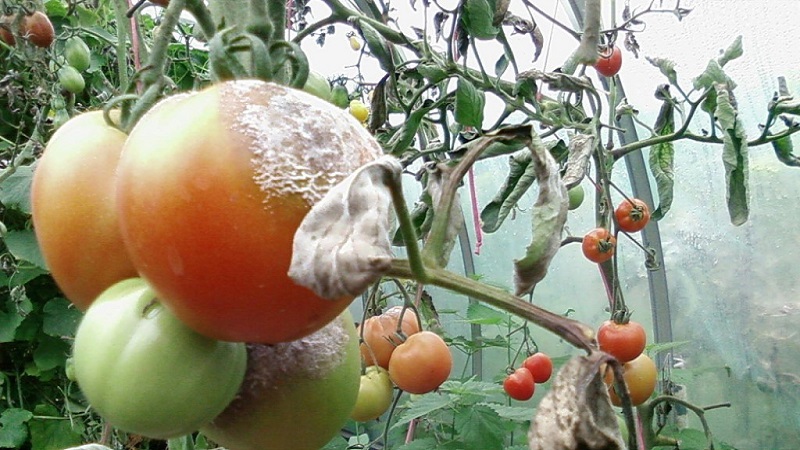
(38, 29)
(624, 341)
(632, 215)
(598, 245)
(540, 365)
(609, 62)
(359, 110)
(576, 195)
(640, 377)
(520, 385)
(421, 363)
(355, 44)
(380, 335)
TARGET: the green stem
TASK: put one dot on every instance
(572, 331)
(407, 229)
(277, 15)
(203, 17)
(123, 33)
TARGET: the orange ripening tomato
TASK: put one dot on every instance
(421, 364)
(211, 189)
(632, 215)
(380, 338)
(74, 211)
(641, 376)
(624, 341)
(598, 245)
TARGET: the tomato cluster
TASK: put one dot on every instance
(631, 215)
(176, 239)
(626, 342)
(521, 384)
(397, 353)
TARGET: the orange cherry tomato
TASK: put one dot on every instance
(624, 341)
(421, 364)
(598, 245)
(632, 215)
(641, 376)
(380, 335)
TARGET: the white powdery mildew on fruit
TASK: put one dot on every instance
(311, 357)
(301, 145)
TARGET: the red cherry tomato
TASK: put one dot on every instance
(520, 385)
(598, 245)
(609, 62)
(540, 365)
(632, 215)
(624, 341)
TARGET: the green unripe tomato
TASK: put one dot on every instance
(77, 53)
(318, 85)
(576, 195)
(146, 372)
(296, 395)
(374, 394)
(71, 79)
(340, 97)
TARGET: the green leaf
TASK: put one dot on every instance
(469, 104)
(692, 439)
(711, 76)
(181, 443)
(666, 67)
(421, 406)
(654, 349)
(61, 318)
(56, 8)
(732, 52)
(521, 176)
(86, 16)
(13, 427)
(515, 413)
(662, 160)
(90, 447)
(11, 318)
(50, 353)
(427, 443)
(50, 431)
(480, 427)
(23, 245)
(501, 65)
(784, 150)
(734, 156)
(432, 72)
(480, 314)
(378, 46)
(477, 19)
(15, 191)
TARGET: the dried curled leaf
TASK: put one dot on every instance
(580, 149)
(342, 246)
(437, 177)
(549, 216)
(576, 414)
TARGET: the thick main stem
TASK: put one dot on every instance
(572, 331)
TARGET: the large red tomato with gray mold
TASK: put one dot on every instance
(211, 188)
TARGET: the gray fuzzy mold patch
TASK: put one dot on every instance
(301, 145)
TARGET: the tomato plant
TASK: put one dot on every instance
(73, 208)
(632, 215)
(374, 394)
(540, 365)
(624, 341)
(232, 170)
(520, 384)
(145, 371)
(380, 335)
(640, 377)
(598, 245)
(295, 394)
(38, 29)
(421, 363)
(610, 62)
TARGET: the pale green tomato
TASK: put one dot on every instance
(374, 394)
(576, 195)
(318, 85)
(296, 395)
(147, 373)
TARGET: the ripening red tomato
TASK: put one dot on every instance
(598, 245)
(632, 215)
(421, 364)
(609, 62)
(520, 384)
(540, 365)
(380, 338)
(6, 35)
(624, 341)
(641, 376)
(74, 212)
(211, 189)
(38, 29)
